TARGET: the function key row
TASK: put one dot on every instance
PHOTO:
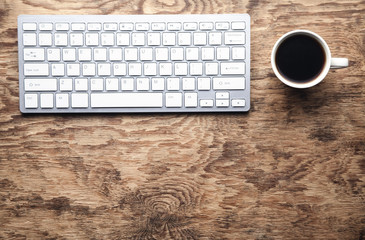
(140, 26)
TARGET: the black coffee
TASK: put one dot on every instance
(300, 58)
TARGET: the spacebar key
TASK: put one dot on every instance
(126, 100)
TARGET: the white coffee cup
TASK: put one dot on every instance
(328, 63)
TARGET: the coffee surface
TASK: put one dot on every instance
(300, 58)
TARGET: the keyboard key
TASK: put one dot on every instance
(73, 69)
(92, 39)
(203, 83)
(238, 102)
(58, 69)
(134, 69)
(143, 84)
(177, 54)
(207, 53)
(173, 100)
(174, 26)
(162, 54)
(62, 27)
(62, 100)
(104, 69)
(150, 69)
(223, 53)
(188, 83)
(181, 69)
(221, 25)
(45, 26)
(61, 39)
(168, 39)
(190, 26)
(110, 26)
(123, 39)
(128, 100)
(111, 84)
(196, 69)
(145, 54)
(81, 84)
(238, 25)
(206, 26)
(53, 54)
(119, 69)
(232, 68)
(115, 54)
(29, 39)
(76, 39)
(142, 26)
(215, 38)
(45, 39)
(30, 100)
(211, 68)
(184, 39)
(78, 27)
(96, 84)
(220, 83)
(46, 100)
(222, 103)
(153, 39)
(29, 26)
(206, 103)
(33, 54)
(88, 69)
(158, 26)
(158, 84)
(94, 26)
(192, 54)
(127, 84)
(66, 84)
(130, 54)
(200, 38)
(84, 54)
(79, 100)
(191, 99)
(138, 39)
(36, 69)
(238, 53)
(69, 54)
(107, 39)
(40, 84)
(165, 69)
(222, 95)
(100, 54)
(173, 84)
(126, 26)
(234, 38)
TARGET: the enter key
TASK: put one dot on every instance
(232, 68)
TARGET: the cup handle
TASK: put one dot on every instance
(339, 62)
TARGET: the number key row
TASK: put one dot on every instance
(135, 39)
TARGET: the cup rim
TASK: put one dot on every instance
(313, 82)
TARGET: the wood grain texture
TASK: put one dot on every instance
(292, 168)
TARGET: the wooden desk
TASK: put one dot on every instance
(292, 168)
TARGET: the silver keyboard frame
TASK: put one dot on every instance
(140, 18)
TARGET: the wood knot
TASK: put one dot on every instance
(167, 207)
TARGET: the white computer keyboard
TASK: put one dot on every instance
(134, 63)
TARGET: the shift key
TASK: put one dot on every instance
(36, 69)
(225, 83)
